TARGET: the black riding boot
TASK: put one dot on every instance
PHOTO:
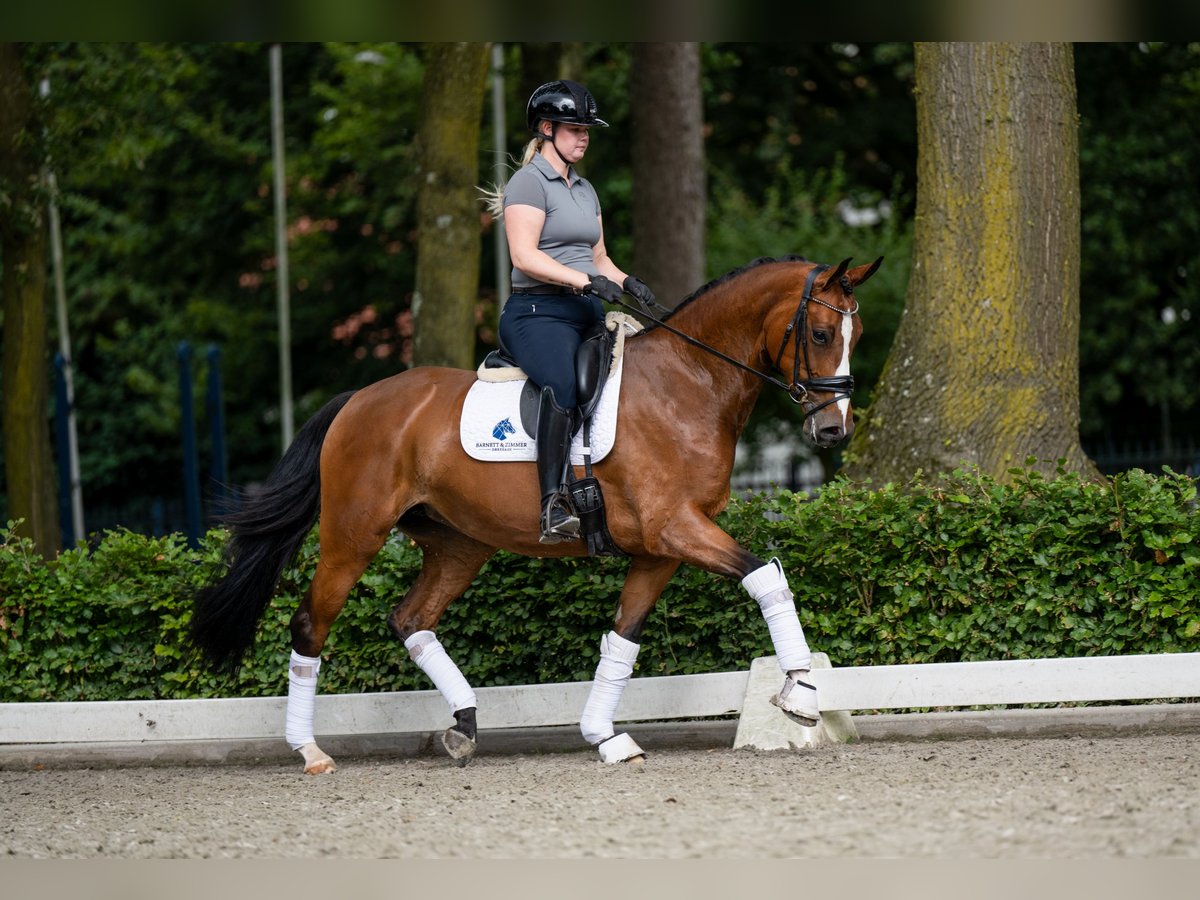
(554, 432)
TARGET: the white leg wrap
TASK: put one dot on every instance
(769, 588)
(430, 656)
(302, 697)
(617, 657)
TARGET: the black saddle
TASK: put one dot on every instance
(593, 360)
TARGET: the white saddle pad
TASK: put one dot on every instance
(490, 428)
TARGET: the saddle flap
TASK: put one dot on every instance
(592, 364)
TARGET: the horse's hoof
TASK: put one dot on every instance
(316, 760)
(798, 699)
(801, 720)
(460, 747)
(636, 761)
(619, 749)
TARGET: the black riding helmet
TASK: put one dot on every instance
(562, 101)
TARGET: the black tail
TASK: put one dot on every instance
(267, 531)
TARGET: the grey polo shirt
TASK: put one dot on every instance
(572, 225)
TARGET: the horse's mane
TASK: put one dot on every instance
(728, 276)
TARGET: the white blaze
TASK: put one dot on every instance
(844, 365)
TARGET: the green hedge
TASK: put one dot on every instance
(955, 568)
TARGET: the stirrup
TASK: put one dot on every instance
(558, 524)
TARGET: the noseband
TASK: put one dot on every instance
(841, 386)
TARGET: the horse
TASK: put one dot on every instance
(389, 456)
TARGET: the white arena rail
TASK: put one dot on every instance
(744, 694)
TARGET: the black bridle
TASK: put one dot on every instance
(840, 386)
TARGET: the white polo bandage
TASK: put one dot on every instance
(617, 657)
(430, 656)
(301, 701)
(769, 588)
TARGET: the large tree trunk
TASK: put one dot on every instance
(984, 368)
(448, 210)
(668, 169)
(28, 463)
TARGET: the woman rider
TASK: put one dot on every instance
(561, 272)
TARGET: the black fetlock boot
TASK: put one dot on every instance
(554, 433)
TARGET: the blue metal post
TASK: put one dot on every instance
(191, 479)
(216, 419)
(62, 440)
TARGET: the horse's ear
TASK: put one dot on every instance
(837, 273)
(859, 274)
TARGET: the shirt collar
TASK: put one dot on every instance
(543, 165)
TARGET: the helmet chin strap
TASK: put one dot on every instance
(553, 139)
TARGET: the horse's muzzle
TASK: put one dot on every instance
(830, 435)
(827, 428)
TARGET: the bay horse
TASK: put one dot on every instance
(389, 456)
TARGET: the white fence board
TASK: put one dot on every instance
(1077, 679)
(646, 699)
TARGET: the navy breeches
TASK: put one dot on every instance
(542, 333)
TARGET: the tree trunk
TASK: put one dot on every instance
(448, 209)
(668, 169)
(985, 365)
(28, 463)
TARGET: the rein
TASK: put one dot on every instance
(840, 386)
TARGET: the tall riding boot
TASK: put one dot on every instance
(554, 432)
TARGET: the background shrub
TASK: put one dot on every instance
(960, 567)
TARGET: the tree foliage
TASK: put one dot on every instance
(945, 569)
(163, 155)
(1139, 152)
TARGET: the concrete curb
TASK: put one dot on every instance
(1101, 721)
(1078, 721)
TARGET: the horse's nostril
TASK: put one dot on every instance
(832, 433)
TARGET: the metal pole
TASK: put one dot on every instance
(60, 446)
(281, 257)
(64, 347)
(216, 419)
(191, 476)
(499, 129)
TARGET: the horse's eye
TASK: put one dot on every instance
(820, 337)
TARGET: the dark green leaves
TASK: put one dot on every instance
(957, 568)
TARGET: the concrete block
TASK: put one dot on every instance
(765, 727)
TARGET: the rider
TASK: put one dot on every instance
(561, 272)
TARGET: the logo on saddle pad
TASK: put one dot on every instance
(503, 429)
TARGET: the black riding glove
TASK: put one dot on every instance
(637, 289)
(603, 288)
